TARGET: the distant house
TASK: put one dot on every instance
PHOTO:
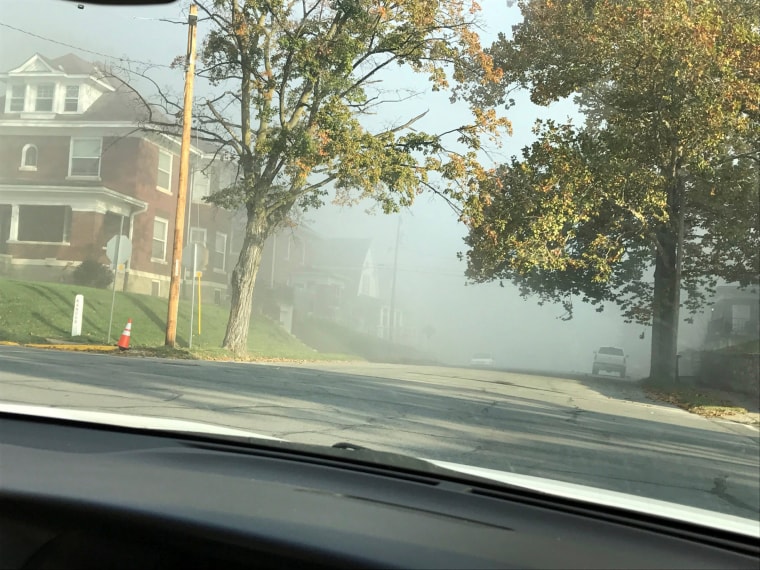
(734, 318)
(332, 279)
(75, 166)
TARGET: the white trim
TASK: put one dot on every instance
(217, 252)
(24, 151)
(71, 157)
(81, 198)
(67, 98)
(63, 243)
(177, 142)
(9, 98)
(165, 240)
(16, 216)
(149, 275)
(190, 235)
(62, 124)
(48, 262)
(166, 189)
(36, 97)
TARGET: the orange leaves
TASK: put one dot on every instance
(488, 121)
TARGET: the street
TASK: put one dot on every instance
(597, 431)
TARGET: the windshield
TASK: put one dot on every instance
(610, 350)
(311, 220)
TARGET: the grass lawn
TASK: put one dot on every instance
(36, 312)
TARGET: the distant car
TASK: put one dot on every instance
(482, 359)
(610, 359)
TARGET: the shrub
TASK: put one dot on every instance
(92, 273)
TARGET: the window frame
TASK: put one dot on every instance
(66, 230)
(51, 98)
(11, 99)
(72, 157)
(67, 98)
(159, 170)
(198, 199)
(24, 156)
(197, 229)
(223, 269)
(164, 241)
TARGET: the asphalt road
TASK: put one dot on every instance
(595, 431)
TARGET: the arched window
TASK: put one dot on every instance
(29, 157)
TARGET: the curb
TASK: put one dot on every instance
(65, 347)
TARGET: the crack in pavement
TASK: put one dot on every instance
(720, 490)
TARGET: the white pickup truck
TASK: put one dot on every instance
(610, 359)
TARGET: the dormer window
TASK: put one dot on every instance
(18, 95)
(44, 97)
(71, 102)
(28, 157)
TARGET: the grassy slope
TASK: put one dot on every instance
(40, 312)
(332, 337)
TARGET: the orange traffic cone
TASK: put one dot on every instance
(123, 343)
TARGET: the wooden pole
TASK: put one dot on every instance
(184, 161)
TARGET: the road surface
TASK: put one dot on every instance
(595, 431)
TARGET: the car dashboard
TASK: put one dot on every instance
(77, 495)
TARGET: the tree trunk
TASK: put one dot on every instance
(666, 300)
(243, 280)
(664, 315)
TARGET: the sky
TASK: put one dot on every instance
(431, 284)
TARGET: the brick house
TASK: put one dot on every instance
(75, 166)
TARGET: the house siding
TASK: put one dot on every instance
(52, 158)
(128, 173)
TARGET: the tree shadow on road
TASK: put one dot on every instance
(467, 422)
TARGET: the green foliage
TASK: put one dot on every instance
(295, 78)
(92, 273)
(670, 91)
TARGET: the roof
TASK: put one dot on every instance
(72, 64)
(342, 253)
(118, 102)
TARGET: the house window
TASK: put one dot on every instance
(198, 235)
(29, 157)
(18, 95)
(217, 296)
(201, 186)
(85, 157)
(71, 102)
(44, 99)
(160, 229)
(164, 180)
(49, 224)
(155, 288)
(220, 250)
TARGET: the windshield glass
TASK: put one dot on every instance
(403, 225)
(609, 350)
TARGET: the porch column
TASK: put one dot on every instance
(13, 234)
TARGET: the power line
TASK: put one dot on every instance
(105, 55)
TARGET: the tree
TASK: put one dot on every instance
(294, 79)
(663, 174)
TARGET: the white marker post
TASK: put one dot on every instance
(76, 321)
(118, 251)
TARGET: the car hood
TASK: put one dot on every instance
(551, 487)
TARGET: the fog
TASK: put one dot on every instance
(431, 288)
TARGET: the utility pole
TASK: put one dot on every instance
(392, 316)
(184, 161)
